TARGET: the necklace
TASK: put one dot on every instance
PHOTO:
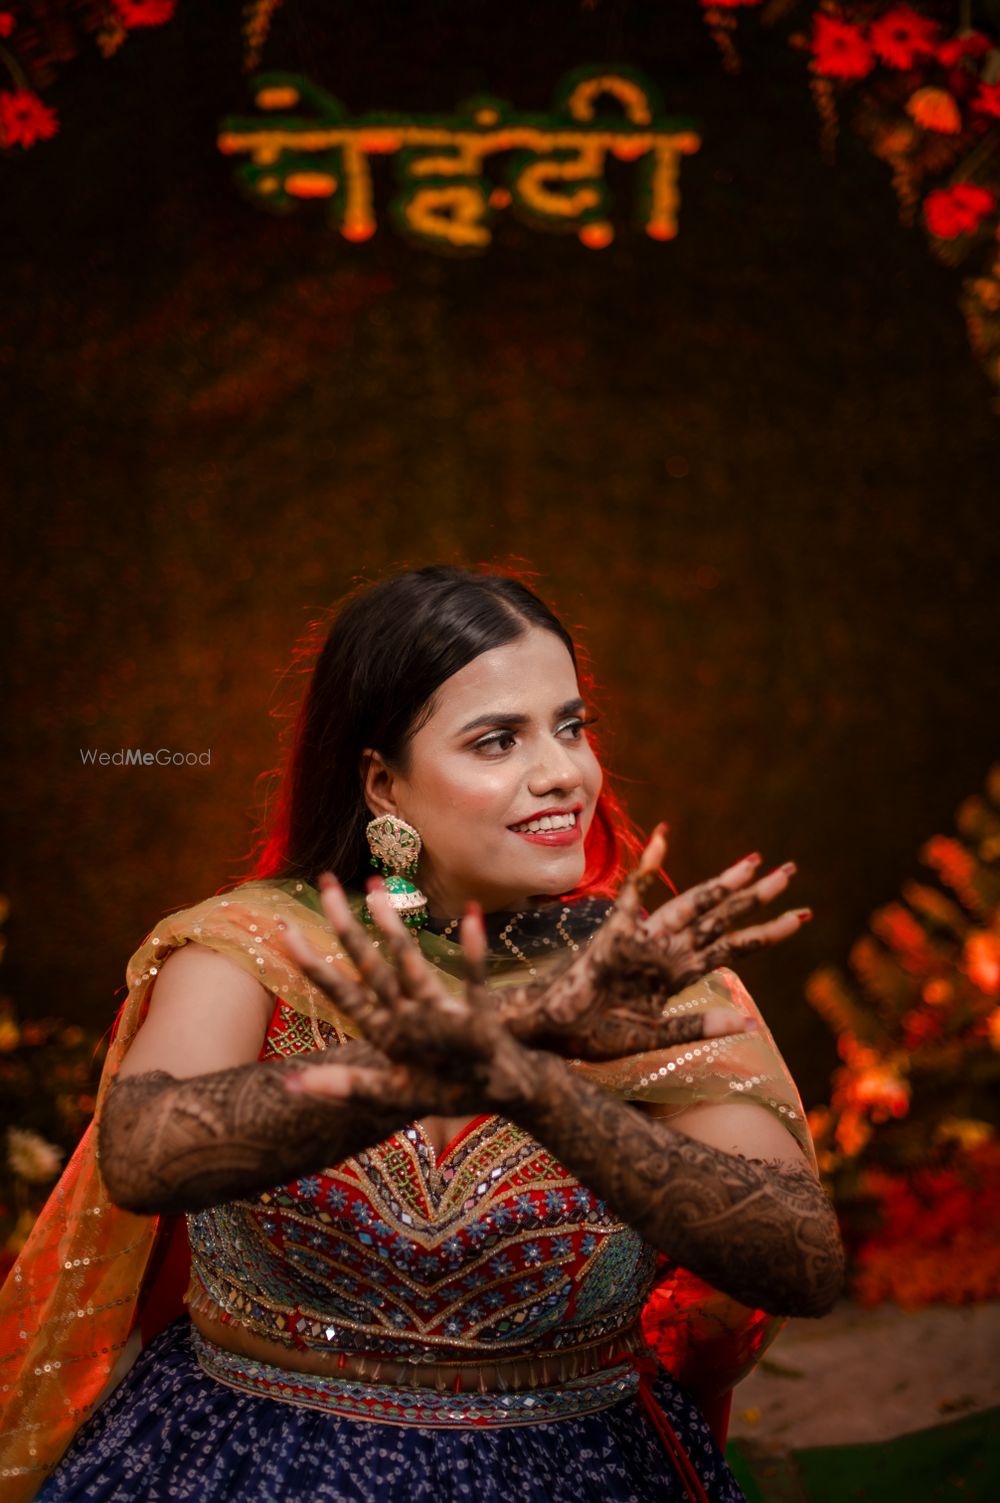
(530, 933)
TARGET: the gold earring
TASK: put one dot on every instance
(395, 846)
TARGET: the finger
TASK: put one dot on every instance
(334, 1082)
(342, 990)
(628, 901)
(679, 912)
(722, 918)
(654, 853)
(374, 971)
(351, 1084)
(717, 1021)
(757, 937)
(472, 935)
(416, 980)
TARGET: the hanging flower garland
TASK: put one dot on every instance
(36, 40)
(926, 99)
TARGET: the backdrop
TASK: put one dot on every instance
(755, 469)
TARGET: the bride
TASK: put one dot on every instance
(418, 1146)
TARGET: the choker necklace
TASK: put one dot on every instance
(533, 931)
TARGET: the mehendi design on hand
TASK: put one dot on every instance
(167, 1144)
(608, 1001)
(761, 1231)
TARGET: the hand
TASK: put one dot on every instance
(432, 1052)
(608, 1001)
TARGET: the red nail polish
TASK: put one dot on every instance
(804, 914)
(754, 858)
(326, 879)
(476, 909)
(374, 884)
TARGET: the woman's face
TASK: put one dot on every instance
(504, 746)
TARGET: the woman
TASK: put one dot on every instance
(424, 1183)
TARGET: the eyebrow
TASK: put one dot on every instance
(514, 720)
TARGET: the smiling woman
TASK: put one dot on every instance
(417, 1180)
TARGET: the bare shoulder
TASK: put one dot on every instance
(743, 1127)
(205, 1014)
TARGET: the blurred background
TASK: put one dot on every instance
(754, 468)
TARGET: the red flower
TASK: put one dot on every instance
(7, 23)
(950, 212)
(144, 12)
(975, 44)
(988, 99)
(841, 50)
(24, 119)
(901, 35)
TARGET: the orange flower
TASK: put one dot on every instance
(935, 109)
(981, 961)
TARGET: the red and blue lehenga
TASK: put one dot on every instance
(397, 1258)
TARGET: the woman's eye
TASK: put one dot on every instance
(574, 725)
(494, 741)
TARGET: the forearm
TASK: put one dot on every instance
(762, 1232)
(168, 1144)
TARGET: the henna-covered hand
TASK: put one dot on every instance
(608, 1001)
(761, 1231)
(433, 1053)
(167, 1144)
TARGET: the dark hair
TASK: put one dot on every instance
(390, 647)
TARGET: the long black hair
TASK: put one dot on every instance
(390, 647)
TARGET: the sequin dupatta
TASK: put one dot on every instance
(76, 1294)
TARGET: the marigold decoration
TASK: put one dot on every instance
(25, 119)
(950, 212)
(901, 36)
(935, 109)
(840, 49)
(908, 1143)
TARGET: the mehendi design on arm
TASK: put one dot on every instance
(762, 1231)
(167, 1144)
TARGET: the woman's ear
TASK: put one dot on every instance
(377, 782)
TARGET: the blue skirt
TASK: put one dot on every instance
(170, 1431)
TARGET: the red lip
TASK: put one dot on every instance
(541, 814)
(572, 836)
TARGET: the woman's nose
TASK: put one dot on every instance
(556, 769)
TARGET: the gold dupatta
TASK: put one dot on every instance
(75, 1294)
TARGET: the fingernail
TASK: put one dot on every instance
(751, 1025)
(787, 867)
(754, 859)
(374, 884)
(326, 879)
(803, 914)
(476, 909)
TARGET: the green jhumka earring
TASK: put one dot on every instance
(395, 847)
